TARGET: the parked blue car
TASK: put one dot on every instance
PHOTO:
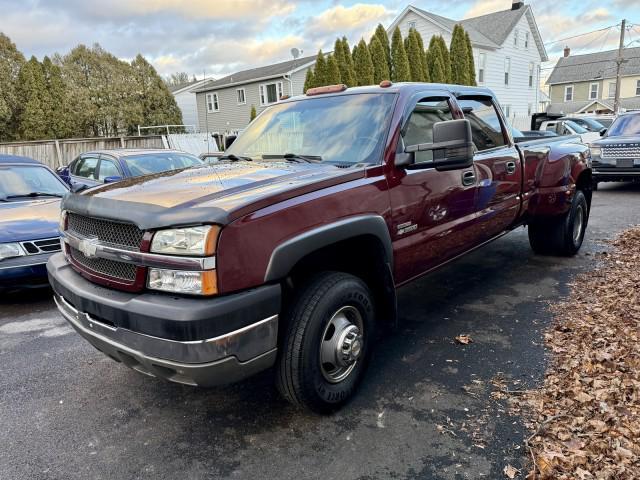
(104, 166)
(30, 196)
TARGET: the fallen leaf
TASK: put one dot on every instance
(511, 471)
(464, 339)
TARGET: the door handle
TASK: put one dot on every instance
(511, 167)
(468, 178)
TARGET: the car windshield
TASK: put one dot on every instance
(625, 125)
(29, 181)
(576, 128)
(591, 124)
(344, 129)
(149, 163)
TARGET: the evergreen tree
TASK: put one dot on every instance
(158, 105)
(57, 106)
(333, 71)
(309, 80)
(472, 63)
(383, 38)
(400, 71)
(320, 71)
(380, 67)
(459, 57)
(253, 114)
(415, 56)
(11, 61)
(33, 102)
(435, 60)
(444, 51)
(363, 64)
(351, 69)
(425, 68)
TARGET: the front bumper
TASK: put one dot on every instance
(118, 324)
(614, 174)
(24, 272)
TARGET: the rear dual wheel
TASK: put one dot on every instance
(328, 342)
(564, 235)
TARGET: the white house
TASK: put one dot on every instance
(186, 99)
(507, 49)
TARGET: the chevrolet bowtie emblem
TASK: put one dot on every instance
(88, 247)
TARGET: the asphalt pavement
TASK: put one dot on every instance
(425, 409)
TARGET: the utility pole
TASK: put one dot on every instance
(620, 60)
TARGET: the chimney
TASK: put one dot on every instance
(517, 5)
(567, 51)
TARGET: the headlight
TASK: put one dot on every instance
(10, 250)
(177, 281)
(199, 241)
(595, 151)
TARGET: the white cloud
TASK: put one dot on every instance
(355, 21)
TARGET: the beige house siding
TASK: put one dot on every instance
(629, 85)
(582, 90)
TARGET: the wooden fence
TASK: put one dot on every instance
(56, 153)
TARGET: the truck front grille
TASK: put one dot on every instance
(118, 234)
(621, 151)
(102, 266)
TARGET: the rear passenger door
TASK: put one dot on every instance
(498, 166)
(84, 171)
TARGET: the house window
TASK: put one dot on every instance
(213, 105)
(637, 88)
(531, 70)
(568, 93)
(526, 40)
(507, 70)
(270, 93)
(411, 25)
(482, 66)
(594, 91)
(515, 39)
(241, 94)
(612, 89)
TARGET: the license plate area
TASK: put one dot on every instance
(624, 163)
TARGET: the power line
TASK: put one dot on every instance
(581, 34)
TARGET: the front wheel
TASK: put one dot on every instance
(328, 341)
(561, 236)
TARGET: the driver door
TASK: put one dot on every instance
(433, 211)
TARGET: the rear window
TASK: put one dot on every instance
(150, 163)
(485, 123)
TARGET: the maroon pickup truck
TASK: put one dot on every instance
(289, 251)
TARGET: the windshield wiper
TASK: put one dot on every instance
(235, 158)
(294, 157)
(35, 194)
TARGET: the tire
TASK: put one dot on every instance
(315, 324)
(561, 236)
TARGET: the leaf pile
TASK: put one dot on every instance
(586, 417)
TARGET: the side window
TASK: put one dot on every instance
(108, 168)
(485, 123)
(86, 167)
(427, 112)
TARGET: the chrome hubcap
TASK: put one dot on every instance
(341, 344)
(577, 225)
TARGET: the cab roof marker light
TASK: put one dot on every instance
(386, 83)
(328, 89)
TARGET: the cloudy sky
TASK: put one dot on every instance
(222, 36)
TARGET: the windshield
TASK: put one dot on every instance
(149, 163)
(29, 180)
(340, 129)
(591, 124)
(625, 125)
(576, 128)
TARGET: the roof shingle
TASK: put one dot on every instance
(594, 66)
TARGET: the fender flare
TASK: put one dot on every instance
(286, 255)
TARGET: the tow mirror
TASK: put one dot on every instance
(603, 132)
(452, 148)
(114, 178)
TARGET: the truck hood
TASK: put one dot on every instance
(622, 141)
(208, 194)
(29, 220)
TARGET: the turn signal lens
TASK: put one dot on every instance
(180, 281)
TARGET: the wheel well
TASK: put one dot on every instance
(363, 256)
(585, 184)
